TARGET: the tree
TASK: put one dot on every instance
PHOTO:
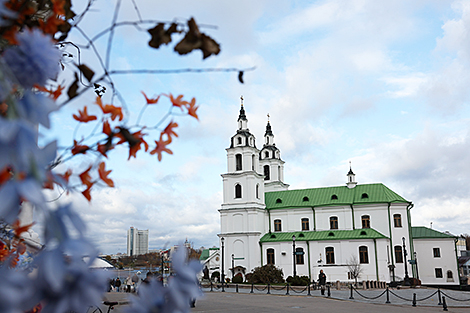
(467, 241)
(355, 268)
(266, 274)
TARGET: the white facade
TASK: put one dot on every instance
(137, 241)
(331, 225)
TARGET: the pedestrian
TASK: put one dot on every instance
(135, 281)
(128, 283)
(117, 283)
(322, 281)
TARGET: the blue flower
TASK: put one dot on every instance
(34, 60)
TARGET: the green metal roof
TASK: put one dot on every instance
(421, 232)
(368, 233)
(206, 253)
(361, 194)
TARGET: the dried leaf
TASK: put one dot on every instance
(240, 77)
(194, 39)
(209, 46)
(160, 35)
(86, 71)
(72, 91)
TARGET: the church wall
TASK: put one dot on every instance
(323, 214)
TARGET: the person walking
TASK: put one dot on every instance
(322, 281)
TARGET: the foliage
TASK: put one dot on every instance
(298, 280)
(238, 278)
(267, 274)
(215, 274)
(355, 268)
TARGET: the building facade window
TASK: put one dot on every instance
(253, 158)
(397, 220)
(305, 224)
(363, 255)
(334, 222)
(257, 191)
(299, 256)
(398, 254)
(450, 276)
(266, 172)
(330, 255)
(438, 272)
(238, 191)
(238, 162)
(277, 225)
(239, 140)
(270, 256)
(436, 252)
(365, 221)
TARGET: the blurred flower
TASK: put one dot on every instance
(13, 192)
(6, 13)
(34, 60)
(35, 108)
(15, 289)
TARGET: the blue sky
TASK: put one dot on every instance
(383, 84)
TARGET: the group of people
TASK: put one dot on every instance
(128, 285)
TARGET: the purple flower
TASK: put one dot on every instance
(34, 60)
(15, 290)
(35, 108)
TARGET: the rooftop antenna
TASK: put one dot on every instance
(241, 99)
(268, 117)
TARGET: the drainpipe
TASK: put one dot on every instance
(410, 234)
(309, 268)
(314, 221)
(261, 252)
(457, 259)
(269, 218)
(376, 260)
(391, 242)
(352, 212)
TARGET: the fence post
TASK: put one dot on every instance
(308, 288)
(269, 291)
(329, 292)
(444, 304)
(439, 295)
(251, 288)
(236, 288)
(287, 289)
(388, 296)
(414, 299)
(351, 296)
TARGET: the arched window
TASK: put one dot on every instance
(305, 224)
(364, 196)
(251, 141)
(363, 255)
(397, 220)
(334, 222)
(398, 254)
(257, 191)
(266, 155)
(253, 162)
(238, 162)
(334, 197)
(299, 256)
(305, 199)
(450, 276)
(238, 191)
(330, 255)
(270, 256)
(277, 225)
(278, 173)
(239, 140)
(266, 172)
(365, 221)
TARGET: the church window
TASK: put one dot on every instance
(253, 158)
(238, 191)
(330, 255)
(266, 155)
(334, 222)
(239, 140)
(305, 224)
(363, 255)
(365, 196)
(277, 225)
(305, 199)
(436, 252)
(365, 221)
(266, 172)
(334, 197)
(398, 254)
(238, 162)
(257, 191)
(438, 272)
(251, 141)
(270, 256)
(397, 220)
(299, 256)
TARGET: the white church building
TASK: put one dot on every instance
(262, 222)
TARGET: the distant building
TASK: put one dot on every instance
(210, 258)
(137, 241)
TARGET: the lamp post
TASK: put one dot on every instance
(233, 265)
(407, 278)
(222, 274)
(293, 253)
(416, 265)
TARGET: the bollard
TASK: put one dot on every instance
(251, 287)
(269, 287)
(388, 297)
(444, 304)
(211, 286)
(351, 296)
(439, 295)
(414, 299)
(308, 292)
(223, 289)
(329, 292)
(236, 288)
(287, 289)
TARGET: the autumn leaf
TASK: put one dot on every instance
(86, 178)
(160, 35)
(178, 101)
(86, 71)
(192, 108)
(77, 149)
(72, 91)
(150, 101)
(169, 130)
(110, 109)
(135, 140)
(107, 128)
(5, 174)
(55, 94)
(84, 117)
(194, 39)
(161, 147)
(86, 193)
(104, 174)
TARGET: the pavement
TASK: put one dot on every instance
(278, 301)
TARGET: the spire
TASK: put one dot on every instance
(242, 116)
(268, 129)
(351, 178)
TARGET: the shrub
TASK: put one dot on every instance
(298, 280)
(214, 275)
(238, 279)
(267, 274)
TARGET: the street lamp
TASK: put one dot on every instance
(293, 253)
(222, 274)
(416, 265)
(407, 278)
(233, 265)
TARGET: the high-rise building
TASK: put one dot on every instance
(137, 241)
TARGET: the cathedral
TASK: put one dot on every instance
(328, 228)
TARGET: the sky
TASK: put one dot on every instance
(380, 84)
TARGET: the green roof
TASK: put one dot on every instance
(206, 253)
(421, 232)
(368, 233)
(361, 194)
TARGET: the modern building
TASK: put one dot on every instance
(137, 241)
(329, 228)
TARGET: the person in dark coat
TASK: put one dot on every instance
(117, 283)
(322, 281)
